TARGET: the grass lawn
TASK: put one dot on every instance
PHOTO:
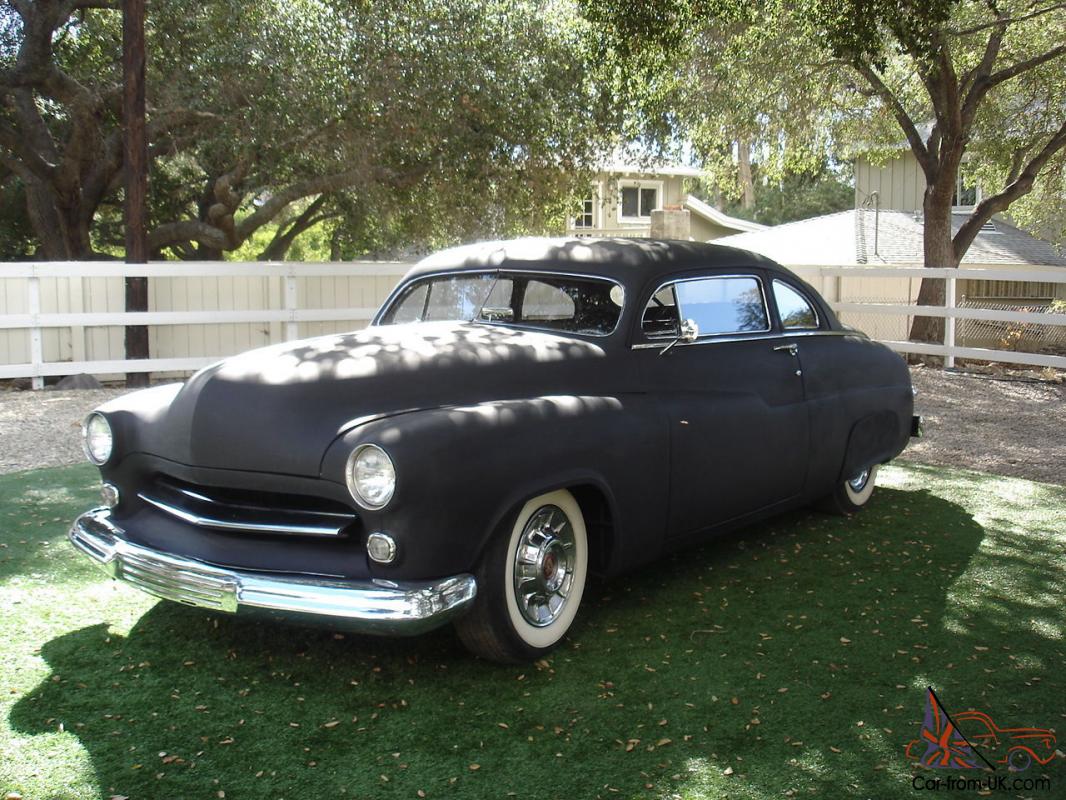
(790, 659)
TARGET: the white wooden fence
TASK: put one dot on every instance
(66, 318)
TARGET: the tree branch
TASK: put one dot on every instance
(1019, 187)
(1008, 20)
(284, 237)
(191, 230)
(896, 107)
(977, 76)
(1014, 70)
(34, 163)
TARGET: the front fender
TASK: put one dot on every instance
(462, 470)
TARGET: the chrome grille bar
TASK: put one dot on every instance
(197, 507)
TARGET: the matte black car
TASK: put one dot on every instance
(519, 414)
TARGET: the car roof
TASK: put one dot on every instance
(631, 262)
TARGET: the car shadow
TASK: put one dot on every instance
(796, 650)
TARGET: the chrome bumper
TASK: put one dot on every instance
(375, 606)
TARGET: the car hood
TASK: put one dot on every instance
(277, 409)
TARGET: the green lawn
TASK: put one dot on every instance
(787, 660)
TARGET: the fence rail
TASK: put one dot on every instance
(290, 301)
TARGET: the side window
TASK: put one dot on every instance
(723, 305)
(796, 312)
(411, 306)
(660, 315)
(542, 301)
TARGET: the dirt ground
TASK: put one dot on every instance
(1009, 424)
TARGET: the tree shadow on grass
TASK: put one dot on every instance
(793, 654)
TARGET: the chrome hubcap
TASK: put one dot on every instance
(858, 483)
(544, 566)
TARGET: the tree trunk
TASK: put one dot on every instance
(135, 160)
(747, 185)
(60, 239)
(938, 253)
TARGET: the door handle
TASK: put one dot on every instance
(791, 349)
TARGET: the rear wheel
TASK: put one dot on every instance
(530, 582)
(851, 494)
(1019, 760)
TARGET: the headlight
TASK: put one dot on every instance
(98, 438)
(371, 476)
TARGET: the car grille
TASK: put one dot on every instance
(251, 512)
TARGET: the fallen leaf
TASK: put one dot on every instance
(332, 723)
(475, 767)
(727, 771)
(844, 640)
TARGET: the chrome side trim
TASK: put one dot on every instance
(751, 337)
(214, 523)
(366, 606)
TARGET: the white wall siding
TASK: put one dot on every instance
(899, 183)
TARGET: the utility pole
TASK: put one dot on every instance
(135, 154)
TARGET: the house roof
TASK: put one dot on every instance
(651, 168)
(712, 214)
(863, 236)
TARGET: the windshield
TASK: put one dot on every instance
(545, 301)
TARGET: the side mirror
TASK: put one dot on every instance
(689, 332)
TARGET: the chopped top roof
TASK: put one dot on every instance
(629, 261)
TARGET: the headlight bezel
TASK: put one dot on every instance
(351, 478)
(86, 432)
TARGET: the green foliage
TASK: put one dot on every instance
(795, 196)
(418, 120)
(786, 660)
(793, 79)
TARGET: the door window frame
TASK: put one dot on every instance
(641, 340)
(779, 322)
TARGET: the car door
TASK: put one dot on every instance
(732, 399)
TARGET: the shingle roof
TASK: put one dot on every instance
(863, 236)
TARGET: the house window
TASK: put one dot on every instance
(585, 219)
(967, 193)
(637, 199)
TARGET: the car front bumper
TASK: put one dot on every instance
(374, 606)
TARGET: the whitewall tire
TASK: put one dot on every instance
(530, 582)
(852, 494)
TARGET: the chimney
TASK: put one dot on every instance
(671, 222)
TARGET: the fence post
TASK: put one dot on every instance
(36, 342)
(292, 327)
(949, 321)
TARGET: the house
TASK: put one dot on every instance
(624, 198)
(885, 228)
(877, 237)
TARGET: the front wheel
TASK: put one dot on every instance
(852, 494)
(530, 582)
